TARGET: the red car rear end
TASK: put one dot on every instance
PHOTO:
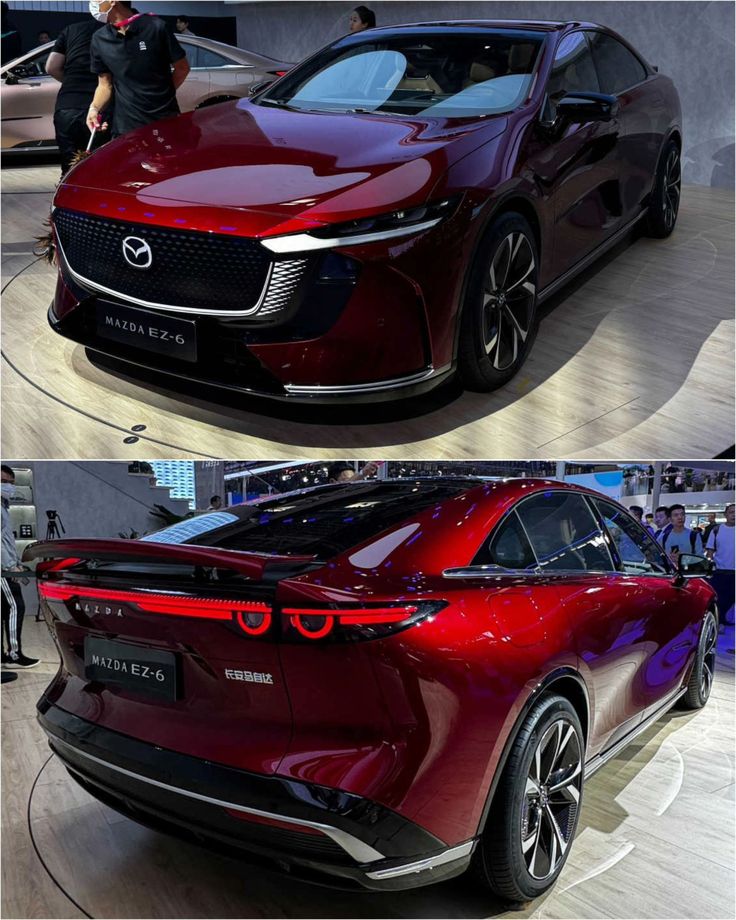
(332, 680)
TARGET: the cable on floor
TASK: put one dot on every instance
(63, 402)
(38, 852)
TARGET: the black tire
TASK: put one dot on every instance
(499, 862)
(665, 203)
(511, 310)
(700, 682)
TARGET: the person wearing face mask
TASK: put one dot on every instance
(13, 606)
(138, 62)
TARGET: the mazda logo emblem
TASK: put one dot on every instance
(136, 252)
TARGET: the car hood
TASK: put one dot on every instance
(269, 167)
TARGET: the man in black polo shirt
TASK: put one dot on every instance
(69, 63)
(133, 55)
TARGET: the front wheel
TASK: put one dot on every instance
(499, 317)
(700, 682)
(532, 822)
(665, 203)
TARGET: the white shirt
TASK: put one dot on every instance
(723, 542)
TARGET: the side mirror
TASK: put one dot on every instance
(581, 107)
(691, 566)
(259, 87)
(11, 79)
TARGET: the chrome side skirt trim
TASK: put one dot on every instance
(85, 282)
(359, 851)
(601, 759)
(587, 260)
(421, 865)
(352, 388)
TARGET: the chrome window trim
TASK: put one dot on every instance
(305, 242)
(170, 308)
(361, 852)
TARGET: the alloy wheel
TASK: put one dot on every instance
(672, 183)
(709, 657)
(551, 799)
(509, 292)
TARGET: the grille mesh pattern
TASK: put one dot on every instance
(284, 280)
(198, 271)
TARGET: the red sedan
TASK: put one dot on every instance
(378, 683)
(387, 215)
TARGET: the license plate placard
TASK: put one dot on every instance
(148, 671)
(164, 335)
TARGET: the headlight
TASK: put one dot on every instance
(366, 230)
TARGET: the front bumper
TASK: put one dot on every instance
(313, 833)
(346, 332)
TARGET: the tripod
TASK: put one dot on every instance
(54, 523)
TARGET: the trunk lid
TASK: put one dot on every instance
(152, 646)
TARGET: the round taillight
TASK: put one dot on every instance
(313, 627)
(253, 623)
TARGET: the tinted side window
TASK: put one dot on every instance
(509, 547)
(572, 71)
(33, 67)
(209, 58)
(618, 69)
(564, 533)
(638, 552)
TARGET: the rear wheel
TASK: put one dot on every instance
(534, 816)
(665, 203)
(701, 677)
(499, 319)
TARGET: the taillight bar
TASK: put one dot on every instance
(210, 608)
(303, 618)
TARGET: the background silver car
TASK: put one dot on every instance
(219, 72)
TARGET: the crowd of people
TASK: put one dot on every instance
(668, 525)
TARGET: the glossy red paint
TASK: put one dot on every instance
(252, 171)
(416, 721)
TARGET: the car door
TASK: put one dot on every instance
(28, 100)
(196, 88)
(642, 111)
(668, 617)
(577, 164)
(569, 541)
(227, 77)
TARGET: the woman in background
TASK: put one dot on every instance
(361, 19)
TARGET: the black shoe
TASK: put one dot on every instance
(22, 661)
(7, 676)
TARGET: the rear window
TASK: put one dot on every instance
(323, 522)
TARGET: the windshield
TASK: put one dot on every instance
(448, 75)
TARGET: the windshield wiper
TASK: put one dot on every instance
(279, 103)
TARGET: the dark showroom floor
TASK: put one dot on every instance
(625, 361)
(655, 836)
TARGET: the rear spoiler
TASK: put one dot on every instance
(251, 565)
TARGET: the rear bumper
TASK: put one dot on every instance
(312, 832)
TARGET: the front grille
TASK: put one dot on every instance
(189, 270)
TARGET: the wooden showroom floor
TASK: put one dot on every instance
(634, 360)
(656, 836)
